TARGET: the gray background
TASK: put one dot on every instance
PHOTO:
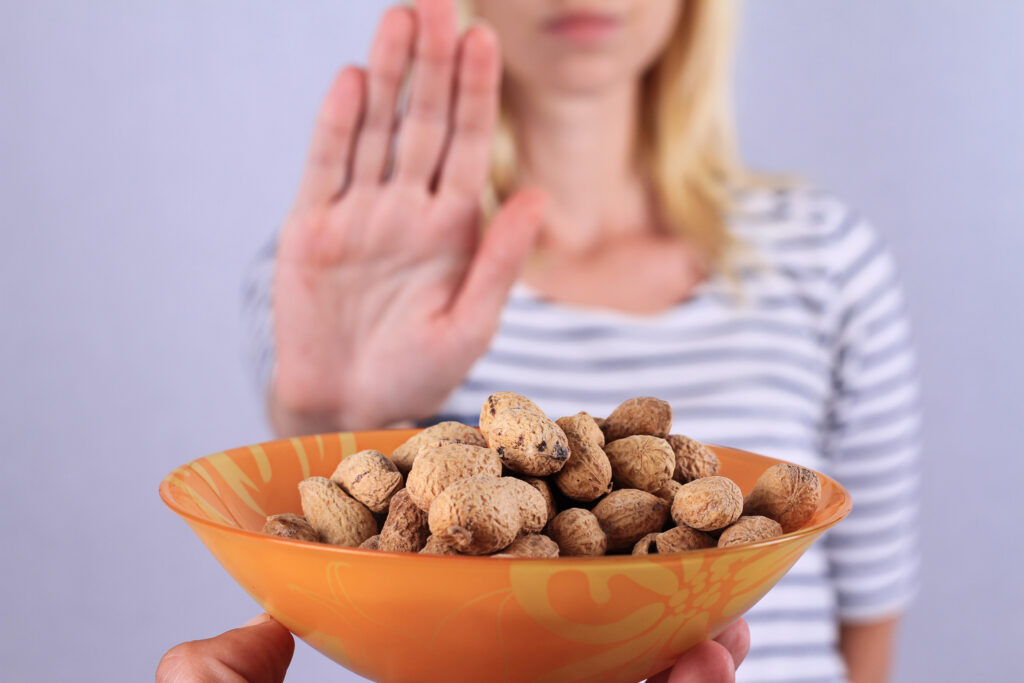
(146, 149)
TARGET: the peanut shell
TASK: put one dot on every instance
(749, 529)
(545, 490)
(787, 493)
(587, 474)
(477, 515)
(577, 533)
(679, 539)
(503, 400)
(693, 459)
(336, 517)
(645, 415)
(435, 547)
(668, 492)
(456, 432)
(405, 530)
(372, 543)
(369, 477)
(444, 463)
(288, 525)
(530, 545)
(641, 462)
(647, 545)
(627, 515)
(527, 442)
(708, 503)
(533, 509)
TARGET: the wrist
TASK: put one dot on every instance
(294, 413)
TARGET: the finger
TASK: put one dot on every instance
(259, 652)
(390, 56)
(736, 639)
(498, 261)
(333, 134)
(425, 125)
(464, 168)
(707, 662)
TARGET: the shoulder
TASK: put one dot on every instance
(807, 228)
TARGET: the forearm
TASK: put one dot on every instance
(868, 649)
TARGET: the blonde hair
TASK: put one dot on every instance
(687, 136)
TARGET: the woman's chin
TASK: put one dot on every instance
(582, 74)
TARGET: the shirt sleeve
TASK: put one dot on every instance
(872, 443)
(257, 313)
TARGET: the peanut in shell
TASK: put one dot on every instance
(646, 545)
(693, 459)
(644, 415)
(544, 488)
(587, 474)
(335, 516)
(433, 546)
(533, 508)
(789, 494)
(749, 529)
(456, 432)
(668, 492)
(641, 462)
(444, 463)
(405, 530)
(288, 525)
(680, 539)
(369, 477)
(527, 442)
(372, 543)
(577, 533)
(530, 545)
(627, 515)
(477, 515)
(708, 503)
(501, 401)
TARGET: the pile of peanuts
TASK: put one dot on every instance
(526, 486)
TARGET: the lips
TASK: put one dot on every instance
(582, 26)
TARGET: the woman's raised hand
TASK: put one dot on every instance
(386, 290)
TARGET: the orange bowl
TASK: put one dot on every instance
(404, 616)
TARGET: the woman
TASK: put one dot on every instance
(629, 254)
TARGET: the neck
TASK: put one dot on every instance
(582, 149)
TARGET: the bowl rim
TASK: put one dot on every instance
(840, 513)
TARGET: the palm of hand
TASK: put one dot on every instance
(384, 292)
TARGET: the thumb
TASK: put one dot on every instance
(707, 662)
(258, 652)
(500, 258)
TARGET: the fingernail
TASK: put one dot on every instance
(255, 621)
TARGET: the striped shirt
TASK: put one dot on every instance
(809, 359)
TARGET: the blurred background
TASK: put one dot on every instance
(148, 149)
